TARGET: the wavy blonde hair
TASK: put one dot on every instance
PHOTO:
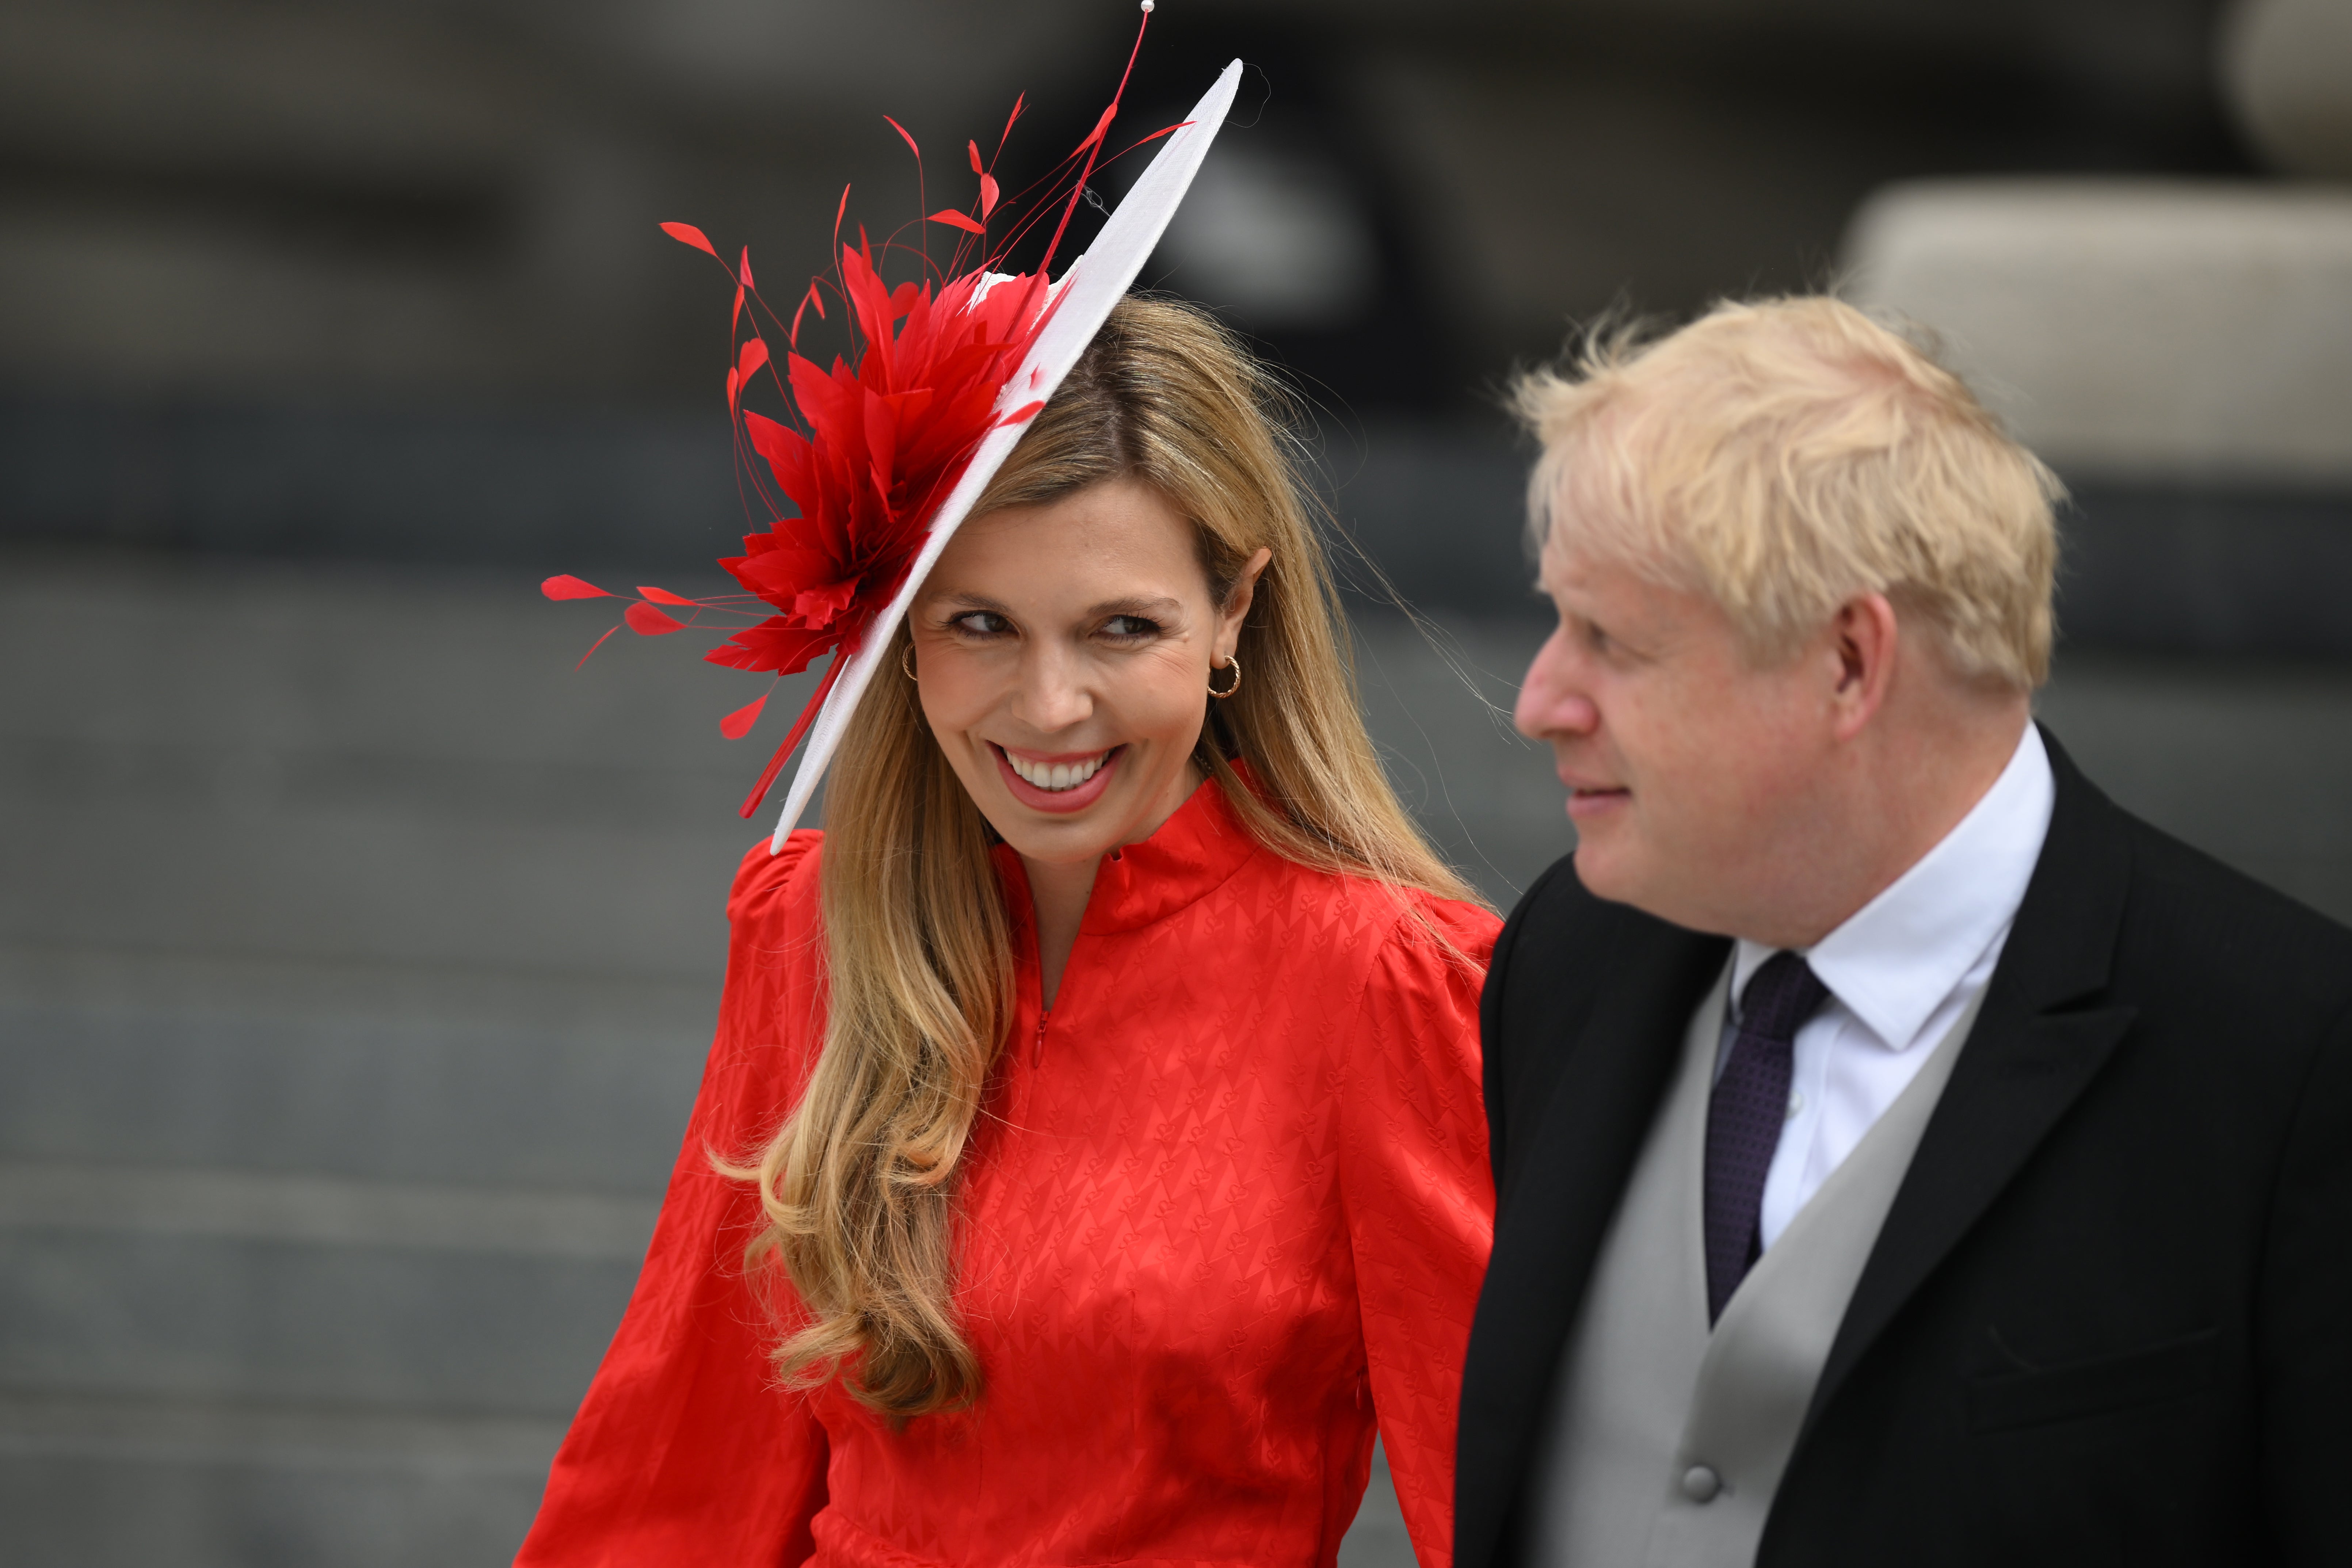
(1783, 456)
(859, 1184)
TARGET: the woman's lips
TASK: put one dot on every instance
(1059, 802)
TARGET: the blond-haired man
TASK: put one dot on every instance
(1904, 1154)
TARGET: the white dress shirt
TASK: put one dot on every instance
(1900, 971)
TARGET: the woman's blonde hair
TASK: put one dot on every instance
(1780, 458)
(859, 1184)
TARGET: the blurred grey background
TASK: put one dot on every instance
(357, 956)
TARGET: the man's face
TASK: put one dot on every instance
(1692, 774)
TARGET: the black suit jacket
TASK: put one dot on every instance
(2110, 1317)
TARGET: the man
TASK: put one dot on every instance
(1904, 1156)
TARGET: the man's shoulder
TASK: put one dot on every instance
(1557, 905)
(2198, 922)
(2173, 929)
(1562, 946)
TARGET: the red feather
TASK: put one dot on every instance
(799, 727)
(1097, 133)
(593, 646)
(648, 622)
(883, 438)
(886, 439)
(737, 724)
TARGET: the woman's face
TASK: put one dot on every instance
(1062, 654)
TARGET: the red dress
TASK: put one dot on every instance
(1228, 1202)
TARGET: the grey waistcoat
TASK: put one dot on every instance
(1666, 1442)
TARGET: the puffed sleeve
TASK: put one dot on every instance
(684, 1452)
(1419, 1198)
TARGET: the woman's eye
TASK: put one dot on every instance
(1127, 628)
(982, 624)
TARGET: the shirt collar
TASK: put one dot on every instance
(1194, 852)
(1895, 960)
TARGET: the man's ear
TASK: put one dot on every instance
(1866, 640)
(1237, 603)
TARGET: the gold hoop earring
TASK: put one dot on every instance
(1233, 662)
(905, 654)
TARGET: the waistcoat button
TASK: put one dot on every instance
(1700, 1483)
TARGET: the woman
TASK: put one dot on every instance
(1095, 1106)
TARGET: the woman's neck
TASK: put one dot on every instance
(1060, 894)
(1059, 891)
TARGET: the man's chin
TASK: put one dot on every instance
(1601, 872)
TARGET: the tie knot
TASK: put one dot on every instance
(1780, 997)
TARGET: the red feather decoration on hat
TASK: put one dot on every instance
(886, 438)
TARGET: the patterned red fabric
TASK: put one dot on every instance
(1229, 1204)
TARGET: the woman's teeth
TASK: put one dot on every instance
(1059, 775)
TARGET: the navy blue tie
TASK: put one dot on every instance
(1745, 1114)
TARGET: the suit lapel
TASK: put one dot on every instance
(1557, 1206)
(2028, 1060)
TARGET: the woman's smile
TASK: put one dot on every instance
(1065, 782)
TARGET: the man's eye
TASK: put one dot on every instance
(982, 624)
(1130, 627)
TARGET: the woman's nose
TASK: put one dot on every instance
(1053, 694)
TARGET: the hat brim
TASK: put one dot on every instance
(1094, 284)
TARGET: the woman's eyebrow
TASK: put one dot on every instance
(1146, 604)
(1140, 605)
(973, 602)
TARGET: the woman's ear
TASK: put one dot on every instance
(1237, 603)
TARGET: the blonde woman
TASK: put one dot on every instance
(1091, 1158)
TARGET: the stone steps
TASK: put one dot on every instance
(357, 962)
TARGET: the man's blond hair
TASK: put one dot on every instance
(1784, 456)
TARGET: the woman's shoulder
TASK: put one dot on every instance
(1404, 924)
(776, 883)
(1470, 927)
(775, 960)
(1436, 943)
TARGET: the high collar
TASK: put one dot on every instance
(1194, 852)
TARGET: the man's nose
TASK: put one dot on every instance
(1553, 701)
